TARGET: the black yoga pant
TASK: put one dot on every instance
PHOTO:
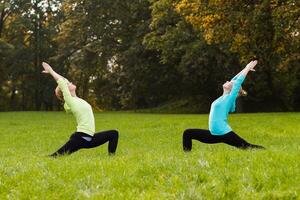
(205, 136)
(80, 140)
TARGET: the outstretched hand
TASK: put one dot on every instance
(250, 66)
(47, 68)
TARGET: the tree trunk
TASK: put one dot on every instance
(1, 21)
(3, 16)
(12, 97)
(37, 27)
(23, 100)
(85, 87)
(239, 105)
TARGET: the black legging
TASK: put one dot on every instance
(77, 142)
(205, 136)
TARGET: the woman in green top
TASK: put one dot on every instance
(84, 136)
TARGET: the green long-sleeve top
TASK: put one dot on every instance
(79, 108)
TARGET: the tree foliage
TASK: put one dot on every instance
(133, 54)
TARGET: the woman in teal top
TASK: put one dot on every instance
(219, 129)
(84, 136)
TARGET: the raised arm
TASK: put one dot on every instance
(250, 67)
(240, 77)
(48, 70)
(62, 83)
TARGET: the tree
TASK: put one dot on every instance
(27, 29)
(251, 29)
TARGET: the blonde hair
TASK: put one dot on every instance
(242, 92)
(58, 93)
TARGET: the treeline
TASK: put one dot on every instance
(137, 54)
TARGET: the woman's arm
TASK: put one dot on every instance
(48, 70)
(62, 83)
(250, 66)
(239, 79)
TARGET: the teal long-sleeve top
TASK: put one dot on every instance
(79, 108)
(220, 108)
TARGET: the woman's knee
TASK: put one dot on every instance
(186, 133)
(114, 133)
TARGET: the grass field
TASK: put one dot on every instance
(149, 163)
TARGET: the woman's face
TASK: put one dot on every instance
(227, 86)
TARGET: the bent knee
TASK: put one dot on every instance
(114, 133)
(186, 133)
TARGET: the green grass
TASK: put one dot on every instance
(149, 163)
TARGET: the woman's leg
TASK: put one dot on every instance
(100, 138)
(198, 134)
(233, 139)
(74, 144)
